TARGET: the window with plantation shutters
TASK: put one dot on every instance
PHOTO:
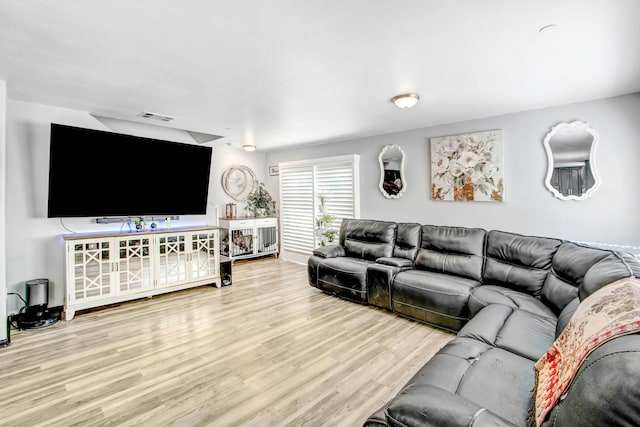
(296, 209)
(336, 180)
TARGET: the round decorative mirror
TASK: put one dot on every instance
(571, 149)
(239, 182)
(392, 180)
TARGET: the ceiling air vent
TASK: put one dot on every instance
(155, 116)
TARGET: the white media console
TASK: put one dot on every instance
(111, 267)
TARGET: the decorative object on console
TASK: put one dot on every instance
(392, 178)
(230, 211)
(239, 181)
(467, 167)
(139, 224)
(571, 153)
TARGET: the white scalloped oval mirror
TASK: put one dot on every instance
(571, 151)
(392, 179)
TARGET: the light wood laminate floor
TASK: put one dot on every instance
(269, 350)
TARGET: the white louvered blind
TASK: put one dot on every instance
(337, 178)
(296, 208)
(335, 182)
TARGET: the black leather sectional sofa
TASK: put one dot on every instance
(508, 297)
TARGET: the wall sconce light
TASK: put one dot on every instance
(407, 100)
(249, 146)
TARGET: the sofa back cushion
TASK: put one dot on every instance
(579, 271)
(367, 239)
(615, 266)
(452, 250)
(407, 240)
(518, 262)
(569, 266)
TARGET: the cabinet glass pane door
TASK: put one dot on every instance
(92, 275)
(203, 262)
(172, 259)
(134, 264)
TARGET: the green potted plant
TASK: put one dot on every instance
(323, 228)
(260, 203)
(139, 223)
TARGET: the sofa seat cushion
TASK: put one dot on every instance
(345, 277)
(484, 295)
(491, 377)
(518, 331)
(436, 298)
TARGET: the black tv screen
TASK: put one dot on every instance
(98, 173)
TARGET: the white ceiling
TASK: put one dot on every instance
(283, 72)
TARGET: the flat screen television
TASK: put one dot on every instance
(95, 173)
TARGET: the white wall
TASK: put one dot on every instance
(3, 186)
(34, 246)
(610, 216)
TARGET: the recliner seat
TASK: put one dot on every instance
(448, 266)
(361, 243)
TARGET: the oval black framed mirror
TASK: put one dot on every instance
(392, 179)
(571, 153)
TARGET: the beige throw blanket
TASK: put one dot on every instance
(610, 312)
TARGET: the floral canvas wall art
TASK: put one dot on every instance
(467, 167)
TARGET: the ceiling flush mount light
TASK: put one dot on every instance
(407, 100)
(249, 146)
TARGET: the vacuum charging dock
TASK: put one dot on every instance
(36, 314)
